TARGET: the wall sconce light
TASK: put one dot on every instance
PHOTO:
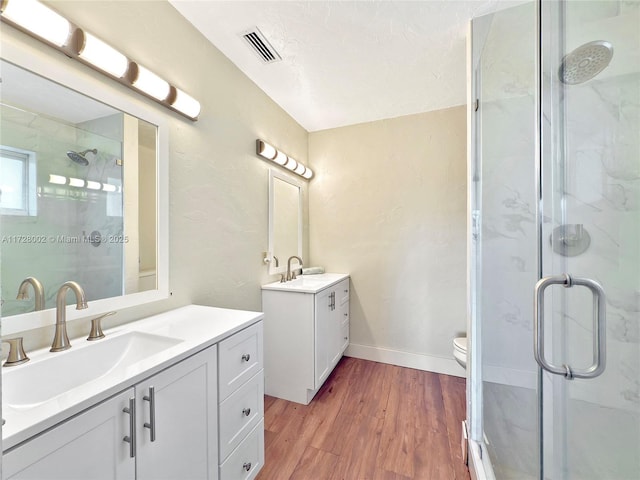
(43, 23)
(271, 153)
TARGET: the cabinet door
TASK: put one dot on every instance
(89, 446)
(184, 420)
(323, 343)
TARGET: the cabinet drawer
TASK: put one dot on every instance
(247, 459)
(239, 359)
(240, 412)
(342, 292)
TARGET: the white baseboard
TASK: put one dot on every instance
(429, 363)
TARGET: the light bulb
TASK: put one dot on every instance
(266, 150)
(291, 164)
(150, 83)
(186, 104)
(103, 56)
(39, 20)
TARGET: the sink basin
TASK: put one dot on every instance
(54, 374)
(307, 283)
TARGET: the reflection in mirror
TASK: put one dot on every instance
(77, 193)
(285, 220)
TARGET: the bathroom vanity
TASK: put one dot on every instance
(306, 332)
(176, 395)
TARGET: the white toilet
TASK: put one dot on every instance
(460, 350)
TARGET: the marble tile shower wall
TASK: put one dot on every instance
(508, 240)
(64, 213)
(603, 194)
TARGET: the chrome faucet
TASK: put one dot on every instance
(292, 276)
(38, 290)
(60, 338)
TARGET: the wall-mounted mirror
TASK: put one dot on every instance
(285, 220)
(80, 197)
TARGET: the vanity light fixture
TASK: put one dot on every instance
(92, 185)
(43, 23)
(38, 20)
(271, 153)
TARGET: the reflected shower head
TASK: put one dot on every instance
(585, 62)
(80, 158)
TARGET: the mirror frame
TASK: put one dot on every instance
(273, 174)
(54, 66)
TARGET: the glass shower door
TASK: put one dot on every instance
(589, 237)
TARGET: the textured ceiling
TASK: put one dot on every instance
(347, 62)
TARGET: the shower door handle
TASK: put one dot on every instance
(599, 327)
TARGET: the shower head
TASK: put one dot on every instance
(585, 62)
(80, 158)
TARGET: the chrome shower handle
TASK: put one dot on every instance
(599, 327)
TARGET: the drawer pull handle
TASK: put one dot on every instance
(346, 314)
(151, 425)
(246, 412)
(247, 466)
(131, 438)
(246, 357)
(346, 338)
(346, 291)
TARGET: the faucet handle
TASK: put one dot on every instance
(96, 328)
(16, 352)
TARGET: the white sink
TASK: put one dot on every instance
(54, 374)
(307, 283)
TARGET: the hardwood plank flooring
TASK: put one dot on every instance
(369, 421)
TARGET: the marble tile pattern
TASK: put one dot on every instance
(591, 176)
(66, 215)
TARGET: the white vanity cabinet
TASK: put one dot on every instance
(306, 333)
(113, 440)
(192, 410)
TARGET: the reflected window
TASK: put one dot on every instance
(17, 182)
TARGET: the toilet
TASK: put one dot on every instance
(460, 350)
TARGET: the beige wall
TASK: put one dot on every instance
(218, 187)
(388, 206)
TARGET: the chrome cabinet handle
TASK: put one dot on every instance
(131, 438)
(599, 327)
(151, 425)
(246, 357)
(246, 412)
(332, 301)
(247, 466)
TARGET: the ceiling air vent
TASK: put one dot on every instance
(260, 45)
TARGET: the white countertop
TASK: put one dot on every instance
(308, 283)
(195, 328)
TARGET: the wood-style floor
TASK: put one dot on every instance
(370, 421)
